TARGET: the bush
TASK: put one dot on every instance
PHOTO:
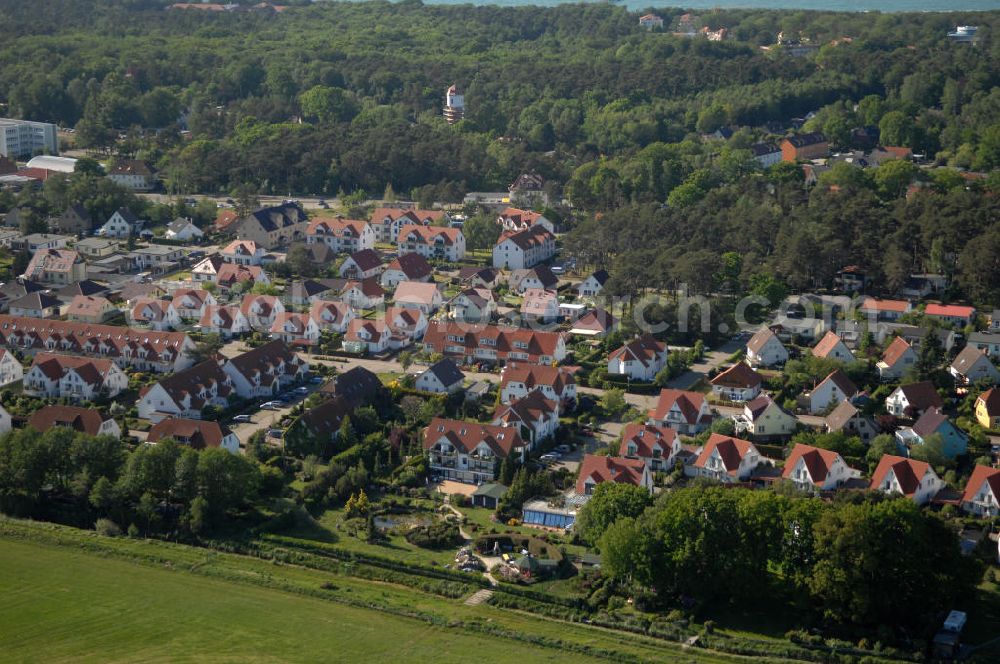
(108, 528)
(436, 536)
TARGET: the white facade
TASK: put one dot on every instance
(186, 233)
(929, 486)
(116, 226)
(23, 138)
(72, 384)
(11, 370)
(432, 242)
(511, 254)
(769, 352)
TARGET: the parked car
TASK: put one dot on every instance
(317, 380)
(551, 457)
(272, 405)
(562, 449)
(275, 433)
(243, 418)
(302, 390)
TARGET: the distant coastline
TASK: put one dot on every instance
(885, 6)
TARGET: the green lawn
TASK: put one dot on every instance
(73, 595)
(63, 605)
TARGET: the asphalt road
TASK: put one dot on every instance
(310, 203)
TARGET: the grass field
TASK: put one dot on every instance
(71, 595)
(63, 605)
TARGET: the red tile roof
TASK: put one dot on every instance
(609, 469)
(826, 345)
(645, 349)
(979, 475)
(646, 438)
(738, 375)
(908, 472)
(428, 234)
(689, 403)
(731, 451)
(199, 434)
(873, 304)
(86, 420)
(895, 351)
(466, 436)
(555, 377)
(818, 462)
(950, 310)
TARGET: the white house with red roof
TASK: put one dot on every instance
(231, 274)
(812, 468)
(534, 414)
(157, 314)
(364, 294)
(765, 349)
(331, 316)
(295, 328)
(265, 370)
(407, 267)
(196, 434)
(406, 325)
(387, 222)
(954, 314)
(540, 306)
(556, 383)
(364, 335)
(190, 303)
(726, 459)
(243, 252)
(982, 492)
(468, 451)
(640, 359)
(686, 412)
(473, 305)
(432, 242)
(897, 359)
(495, 344)
(518, 250)
(832, 347)
(911, 478)
(186, 393)
(597, 469)
(516, 219)
(226, 321)
(737, 383)
(657, 446)
(875, 309)
(261, 310)
(78, 378)
(341, 235)
(362, 265)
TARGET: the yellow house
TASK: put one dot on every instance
(988, 409)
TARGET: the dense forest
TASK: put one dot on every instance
(346, 97)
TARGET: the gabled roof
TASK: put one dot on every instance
(646, 438)
(908, 472)
(37, 300)
(266, 359)
(731, 451)
(466, 436)
(921, 396)
(895, 351)
(963, 362)
(413, 265)
(803, 140)
(191, 382)
(690, 404)
(229, 273)
(338, 310)
(199, 434)
(357, 386)
(840, 379)
(532, 407)
(528, 238)
(601, 469)
(429, 234)
(222, 317)
(982, 474)
(543, 273)
(367, 259)
(760, 404)
(86, 305)
(760, 339)
(818, 462)
(539, 302)
(645, 349)
(276, 217)
(85, 287)
(241, 248)
(417, 292)
(369, 287)
(487, 274)
(531, 376)
(930, 422)
(991, 400)
(86, 420)
(738, 375)
(826, 345)
(597, 320)
(841, 415)
(338, 227)
(446, 371)
(55, 366)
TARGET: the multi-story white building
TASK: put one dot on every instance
(23, 138)
(341, 235)
(446, 244)
(524, 249)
